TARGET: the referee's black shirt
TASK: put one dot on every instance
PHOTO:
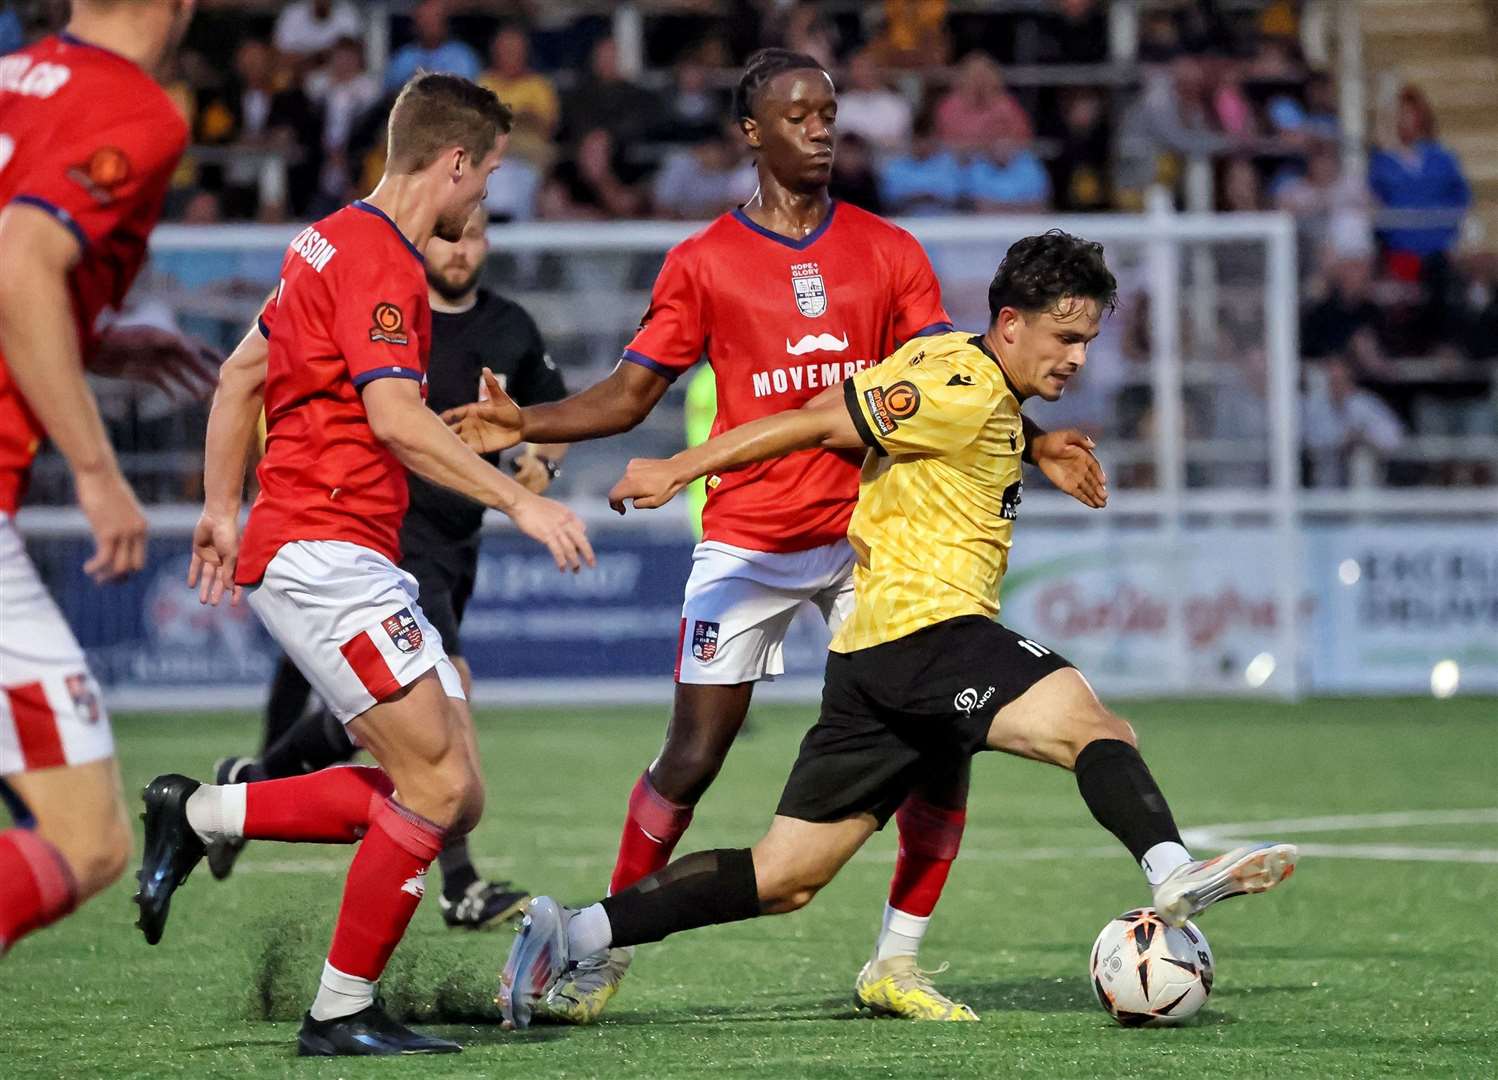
(498, 334)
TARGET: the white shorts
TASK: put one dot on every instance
(51, 711)
(739, 606)
(348, 618)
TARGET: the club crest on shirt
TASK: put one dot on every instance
(85, 701)
(389, 324)
(704, 641)
(810, 290)
(404, 630)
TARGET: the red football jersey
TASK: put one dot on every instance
(351, 308)
(780, 320)
(89, 137)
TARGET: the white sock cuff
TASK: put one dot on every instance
(340, 994)
(1160, 860)
(902, 922)
(589, 932)
(217, 811)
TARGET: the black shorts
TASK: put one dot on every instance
(444, 570)
(895, 713)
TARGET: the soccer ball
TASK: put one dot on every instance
(1146, 972)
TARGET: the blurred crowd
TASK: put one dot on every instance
(288, 123)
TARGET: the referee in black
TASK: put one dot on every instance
(472, 328)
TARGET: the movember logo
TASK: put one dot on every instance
(814, 342)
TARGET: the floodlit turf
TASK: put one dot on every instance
(1358, 967)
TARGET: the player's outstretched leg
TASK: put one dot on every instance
(705, 719)
(930, 823)
(780, 874)
(315, 740)
(1059, 719)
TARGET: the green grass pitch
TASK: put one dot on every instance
(1359, 967)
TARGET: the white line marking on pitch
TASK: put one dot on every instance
(1216, 837)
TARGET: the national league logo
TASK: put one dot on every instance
(404, 630)
(811, 292)
(704, 641)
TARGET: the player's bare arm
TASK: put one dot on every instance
(822, 423)
(181, 367)
(231, 435)
(611, 405)
(42, 350)
(419, 440)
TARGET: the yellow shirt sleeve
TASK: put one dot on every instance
(909, 408)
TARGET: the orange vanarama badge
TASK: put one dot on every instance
(389, 325)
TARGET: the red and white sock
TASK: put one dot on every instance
(36, 885)
(386, 882)
(333, 806)
(651, 830)
(929, 838)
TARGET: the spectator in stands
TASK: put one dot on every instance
(1231, 109)
(1238, 189)
(870, 109)
(1171, 119)
(1006, 182)
(433, 50)
(1348, 431)
(1346, 310)
(694, 109)
(914, 35)
(531, 96)
(344, 91)
(1073, 32)
(1081, 170)
(1333, 209)
(280, 127)
(307, 30)
(513, 190)
(604, 98)
(854, 176)
(925, 180)
(589, 186)
(979, 113)
(703, 181)
(807, 30)
(1417, 173)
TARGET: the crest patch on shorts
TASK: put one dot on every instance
(704, 641)
(85, 701)
(404, 630)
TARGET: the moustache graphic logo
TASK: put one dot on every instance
(813, 342)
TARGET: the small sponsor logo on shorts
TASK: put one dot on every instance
(968, 700)
(704, 641)
(85, 701)
(404, 630)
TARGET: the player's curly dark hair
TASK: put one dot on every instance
(1039, 272)
(761, 67)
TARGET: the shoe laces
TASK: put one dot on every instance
(913, 978)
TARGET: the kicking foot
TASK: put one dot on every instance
(537, 960)
(1196, 886)
(172, 849)
(370, 1031)
(223, 851)
(896, 987)
(581, 994)
(484, 903)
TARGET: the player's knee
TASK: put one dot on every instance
(99, 856)
(471, 808)
(686, 768)
(1093, 725)
(790, 888)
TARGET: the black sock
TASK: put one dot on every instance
(314, 742)
(1117, 786)
(289, 691)
(700, 889)
(457, 868)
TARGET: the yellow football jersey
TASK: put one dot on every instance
(939, 490)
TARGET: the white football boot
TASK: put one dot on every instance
(1195, 886)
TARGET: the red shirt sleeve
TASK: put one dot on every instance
(918, 307)
(93, 184)
(673, 334)
(376, 322)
